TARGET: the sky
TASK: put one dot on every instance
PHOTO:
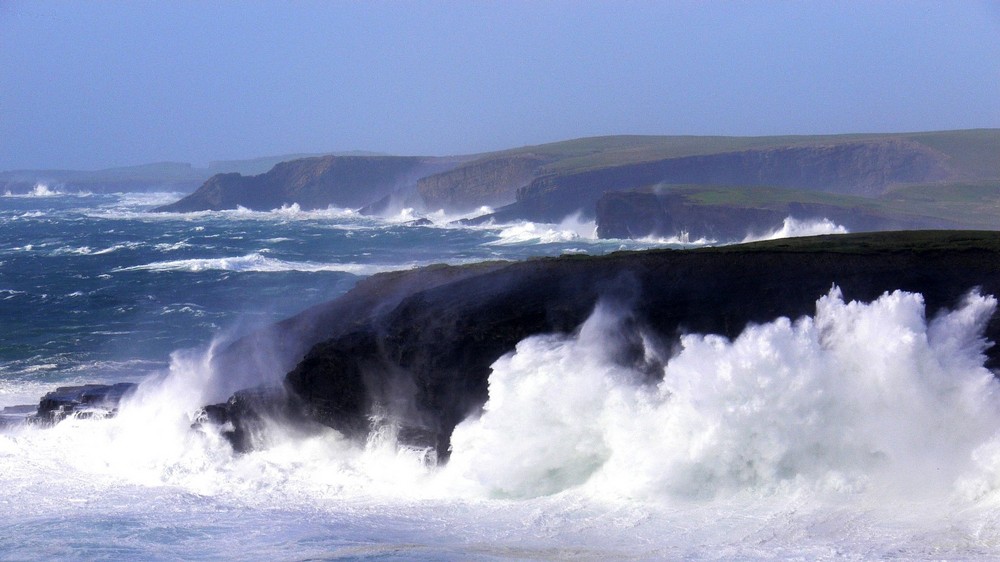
(90, 85)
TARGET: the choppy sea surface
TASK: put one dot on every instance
(866, 430)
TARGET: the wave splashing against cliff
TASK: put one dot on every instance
(792, 227)
(864, 431)
(861, 399)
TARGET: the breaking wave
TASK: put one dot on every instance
(571, 229)
(866, 399)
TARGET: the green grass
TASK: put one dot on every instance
(976, 151)
(766, 197)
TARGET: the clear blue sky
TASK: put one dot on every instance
(87, 85)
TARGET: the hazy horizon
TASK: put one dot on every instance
(100, 85)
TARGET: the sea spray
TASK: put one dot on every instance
(792, 227)
(862, 398)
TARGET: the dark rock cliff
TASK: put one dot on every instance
(635, 214)
(423, 355)
(312, 183)
(858, 168)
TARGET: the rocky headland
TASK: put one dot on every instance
(415, 348)
(311, 183)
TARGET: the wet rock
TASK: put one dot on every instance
(244, 419)
(85, 401)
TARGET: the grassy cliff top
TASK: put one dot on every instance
(975, 152)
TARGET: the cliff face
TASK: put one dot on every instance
(312, 183)
(490, 181)
(865, 168)
(424, 358)
(635, 214)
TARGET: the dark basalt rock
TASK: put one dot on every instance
(423, 358)
(242, 420)
(89, 400)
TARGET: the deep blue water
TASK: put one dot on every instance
(94, 288)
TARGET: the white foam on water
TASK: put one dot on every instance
(88, 251)
(137, 206)
(42, 190)
(570, 229)
(258, 262)
(173, 247)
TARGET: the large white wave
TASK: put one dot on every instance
(571, 229)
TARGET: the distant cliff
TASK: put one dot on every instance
(550, 181)
(422, 354)
(492, 181)
(312, 183)
(866, 168)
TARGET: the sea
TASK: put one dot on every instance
(866, 430)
